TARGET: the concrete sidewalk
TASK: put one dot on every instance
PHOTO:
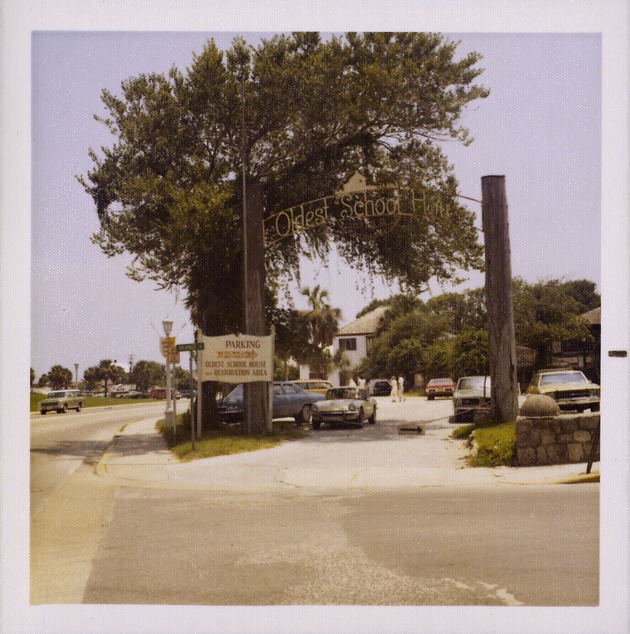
(139, 457)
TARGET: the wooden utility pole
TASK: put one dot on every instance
(504, 384)
(255, 410)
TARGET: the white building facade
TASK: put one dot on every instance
(354, 341)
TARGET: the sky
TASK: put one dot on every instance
(540, 128)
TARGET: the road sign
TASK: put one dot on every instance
(188, 347)
(237, 358)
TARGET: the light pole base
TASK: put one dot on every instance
(169, 417)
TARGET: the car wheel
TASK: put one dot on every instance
(430, 397)
(361, 419)
(372, 419)
(317, 424)
(78, 408)
(594, 407)
(44, 412)
(305, 415)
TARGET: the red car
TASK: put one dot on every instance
(440, 387)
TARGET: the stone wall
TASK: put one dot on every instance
(559, 439)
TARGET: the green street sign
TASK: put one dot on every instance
(189, 347)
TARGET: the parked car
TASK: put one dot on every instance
(471, 393)
(570, 388)
(289, 401)
(319, 386)
(379, 387)
(347, 404)
(440, 387)
(160, 392)
(61, 401)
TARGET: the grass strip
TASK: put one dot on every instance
(225, 441)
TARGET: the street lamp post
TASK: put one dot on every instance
(76, 374)
(167, 324)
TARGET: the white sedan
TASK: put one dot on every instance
(345, 405)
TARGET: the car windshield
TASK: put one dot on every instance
(473, 383)
(440, 381)
(343, 393)
(56, 394)
(562, 377)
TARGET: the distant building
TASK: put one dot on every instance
(354, 341)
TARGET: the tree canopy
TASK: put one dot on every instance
(298, 114)
(447, 335)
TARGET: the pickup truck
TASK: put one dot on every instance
(61, 401)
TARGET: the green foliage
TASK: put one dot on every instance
(36, 399)
(448, 335)
(323, 319)
(167, 190)
(146, 374)
(59, 377)
(470, 353)
(584, 293)
(545, 313)
(106, 372)
(464, 431)
(495, 445)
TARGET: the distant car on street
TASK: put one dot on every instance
(570, 388)
(160, 392)
(439, 387)
(61, 401)
(471, 393)
(289, 401)
(347, 404)
(379, 387)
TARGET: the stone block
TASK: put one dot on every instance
(588, 421)
(547, 437)
(535, 437)
(582, 436)
(523, 425)
(565, 439)
(526, 457)
(552, 454)
(569, 424)
(541, 455)
(575, 452)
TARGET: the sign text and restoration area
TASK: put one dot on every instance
(237, 358)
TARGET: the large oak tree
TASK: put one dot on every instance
(298, 114)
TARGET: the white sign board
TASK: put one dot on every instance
(236, 358)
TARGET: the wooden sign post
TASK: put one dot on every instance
(504, 385)
(256, 414)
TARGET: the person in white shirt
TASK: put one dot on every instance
(394, 386)
(401, 388)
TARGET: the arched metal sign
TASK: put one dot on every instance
(382, 206)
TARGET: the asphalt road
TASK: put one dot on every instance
(512, 546)
(60, 443)
(191, 541)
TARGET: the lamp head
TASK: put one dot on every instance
(167, 324)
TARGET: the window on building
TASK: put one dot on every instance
(348, 344)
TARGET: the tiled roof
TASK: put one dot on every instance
(364, 325)
(593, 316)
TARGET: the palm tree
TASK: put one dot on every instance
(323, 319)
